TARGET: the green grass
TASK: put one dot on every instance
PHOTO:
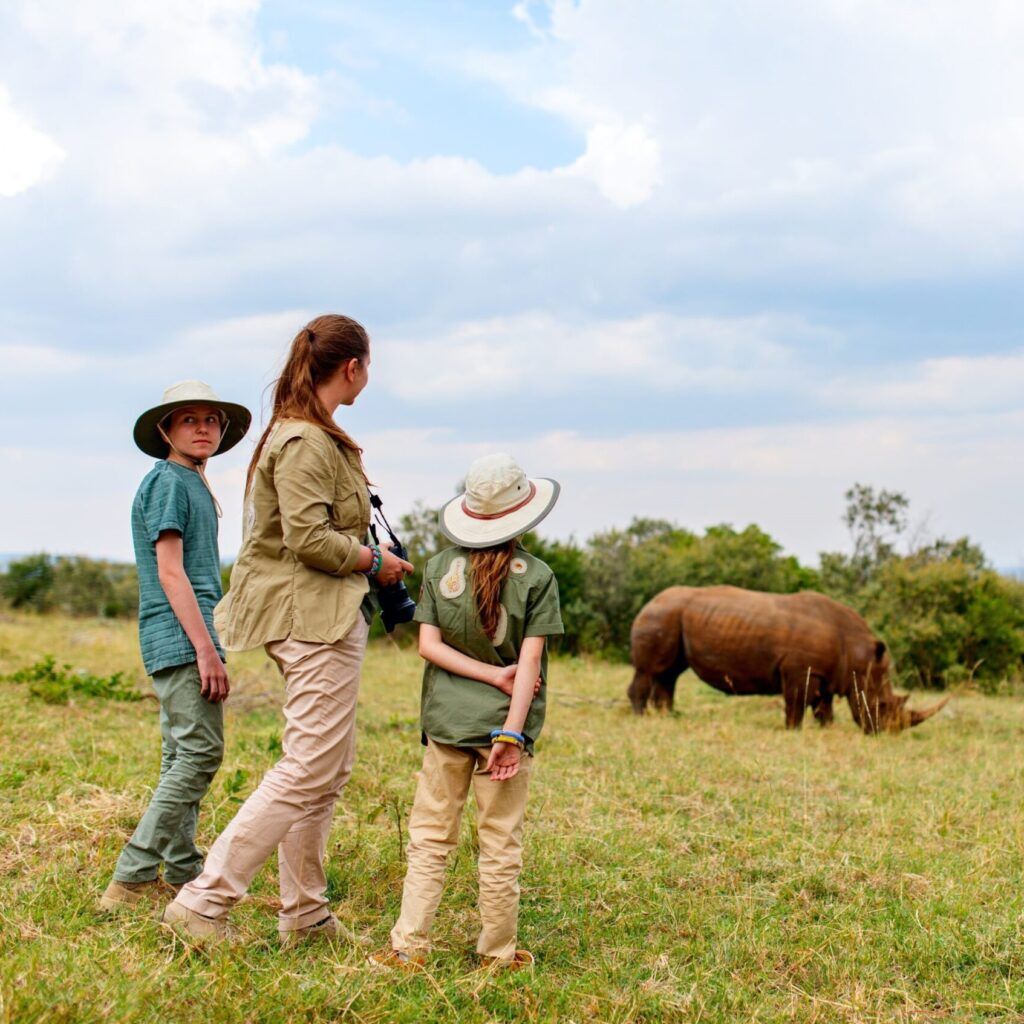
(701, 867)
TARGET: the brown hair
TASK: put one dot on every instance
(491, 567)
(317, 352)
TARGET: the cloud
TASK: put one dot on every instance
(624, 161)
(896, 124)
(542, 353)
(23, 363)
(952, 384)
(788, 478)
(27, 156)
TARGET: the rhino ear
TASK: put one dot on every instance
(880, 650)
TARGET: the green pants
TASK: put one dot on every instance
(193, 745)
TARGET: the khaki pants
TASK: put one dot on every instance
(292, 807)
(434, 832)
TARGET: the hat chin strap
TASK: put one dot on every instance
(200, 467)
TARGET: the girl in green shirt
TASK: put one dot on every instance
(484, 613)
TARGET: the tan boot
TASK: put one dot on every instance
(193, 927)
(521, 960)
(389, 959)
(330, 929)
(120, 896)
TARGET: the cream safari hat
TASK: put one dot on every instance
(177, 396)
(500, 503)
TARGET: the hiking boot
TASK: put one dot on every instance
(123, 895)
(395, 960)
(521, 960)
(330, 929)
(193, 927)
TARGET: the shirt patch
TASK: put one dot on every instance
(502, 630)
(518, 566)
(453, 583)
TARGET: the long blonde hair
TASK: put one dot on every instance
(317, 352)
(490, 569)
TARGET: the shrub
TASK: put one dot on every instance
(28, 583)
(72, 584)
(58, 685)
(941, 615)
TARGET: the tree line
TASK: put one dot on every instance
(945, 612)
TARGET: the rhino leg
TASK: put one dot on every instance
(664, 690)
(800, 689)
(796, 705)
(640, 691)
(822, 709)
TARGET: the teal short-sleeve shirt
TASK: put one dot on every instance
(462, 712)
(173, 497)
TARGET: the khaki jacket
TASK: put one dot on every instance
(306, 517)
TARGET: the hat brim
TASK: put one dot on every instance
(470, 532)
(147, 435)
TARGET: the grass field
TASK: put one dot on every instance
(701, 867)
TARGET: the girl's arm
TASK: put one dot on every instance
(435, 650)
(170, 567)
(504, 760)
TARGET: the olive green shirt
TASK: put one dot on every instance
(306, 517)
(462, 712)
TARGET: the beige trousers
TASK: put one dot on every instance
(434, 832)
(291, 809)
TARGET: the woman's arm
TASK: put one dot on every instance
(504, 760)
(304, 478)
(170, 569)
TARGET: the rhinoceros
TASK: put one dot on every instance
(805, 646)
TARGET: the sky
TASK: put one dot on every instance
(710, 262)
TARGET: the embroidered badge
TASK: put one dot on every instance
(518, 566)
(453, 583)
(499, 633)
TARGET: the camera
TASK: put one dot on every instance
(396, 606)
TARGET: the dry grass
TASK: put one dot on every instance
(702, 867)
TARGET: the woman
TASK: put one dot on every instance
(296, 589)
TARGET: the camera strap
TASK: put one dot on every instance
(378, 510)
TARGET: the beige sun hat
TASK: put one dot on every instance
(500, 503)
(177, 396)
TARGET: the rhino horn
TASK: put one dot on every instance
(917, 717)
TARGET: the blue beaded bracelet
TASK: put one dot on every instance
(376, 560)
(517, 736)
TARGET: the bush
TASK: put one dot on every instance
(28, 583)
(74, 585)
(58, 685)
(943, 618)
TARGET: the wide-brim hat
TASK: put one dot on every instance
(500, 502)
(177, 396)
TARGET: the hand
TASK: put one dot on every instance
(506, 677)
(213, 676)
(392, 568)
(504, 761)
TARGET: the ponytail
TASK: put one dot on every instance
(490, 569)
